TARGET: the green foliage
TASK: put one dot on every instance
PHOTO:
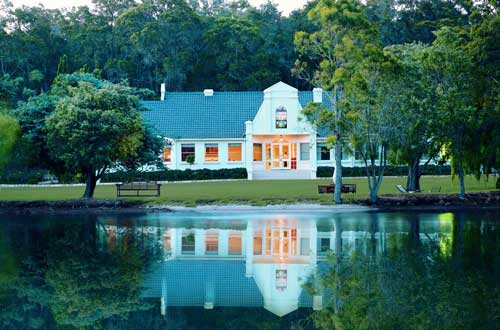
(176, 175)
(327, 172)
(93, 128)
(413, 283)
(9, 133)
(190, 159)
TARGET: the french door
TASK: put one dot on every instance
(280, 155)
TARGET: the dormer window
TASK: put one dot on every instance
(281, 120)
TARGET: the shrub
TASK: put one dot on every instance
(327, 171)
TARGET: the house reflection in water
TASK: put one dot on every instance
(247, 263)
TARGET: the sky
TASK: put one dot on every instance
(286, 6)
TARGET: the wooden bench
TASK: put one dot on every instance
(135, 189)
(330, 188)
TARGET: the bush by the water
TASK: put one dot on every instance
(327, 171)
(176, 175)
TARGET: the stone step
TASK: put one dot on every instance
(282, 175)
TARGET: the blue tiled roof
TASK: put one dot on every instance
(191, 115)
(186, 282)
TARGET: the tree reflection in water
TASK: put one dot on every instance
(386, 271)
(64, 278)
(417, 282)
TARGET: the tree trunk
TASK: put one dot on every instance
(413, 181)
(337, 197)
(91, 181)
(461, 179)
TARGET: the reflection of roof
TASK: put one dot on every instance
(193, 115)
(189, 282)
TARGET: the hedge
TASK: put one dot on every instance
(35, 176)
(327, 171)
(176, 175)
(22, 176)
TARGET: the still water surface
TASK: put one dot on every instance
(251, 271)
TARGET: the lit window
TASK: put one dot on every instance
(234, 242)
(167, 151)
(257, 152)
(186, 151)
(257, 243)
(234, 152)
(211, 242)
(211, 152)
(167, 241)
(281, 115)
(304, 151)
(281, 279)
(323, 152)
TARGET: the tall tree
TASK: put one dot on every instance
(9, 133)
(95, 125)
(452, 77)
(414, 98)
(327, 59)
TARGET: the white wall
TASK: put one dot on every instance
(275, 96)
(200, 162)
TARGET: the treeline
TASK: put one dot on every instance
(409, 80)
(189, 45)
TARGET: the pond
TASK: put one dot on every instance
(253, 270)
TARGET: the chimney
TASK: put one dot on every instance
(162, 91)
(208, 92)
(318, 95)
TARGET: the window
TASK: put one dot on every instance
(167, 241)
(234, 242)
(323, 245)
(187, 242)
(257, 243)
(187, 150)
(234, 152)
(211, 242)
(281, 120)
(211, 152)
(323, 152)
(257, 152)
(304, 151)
(304, 246)
(167, 151)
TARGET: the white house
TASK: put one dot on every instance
(260, 131)
(231, 260)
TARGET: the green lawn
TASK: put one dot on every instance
(245, 192)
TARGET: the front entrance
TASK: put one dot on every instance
(280, 156)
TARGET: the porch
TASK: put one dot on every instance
(282, 157)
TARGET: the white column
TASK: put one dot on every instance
(313, 160)
(178, 241)
(199, 242)
(173, 155)
(249, 148)
(313, 244)
(249, 250)
(163, 300)
(223, 242)
(173, 242)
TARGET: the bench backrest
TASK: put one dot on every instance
(139, 185)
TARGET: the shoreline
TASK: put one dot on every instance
(386, 203)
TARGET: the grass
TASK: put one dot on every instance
(245, 192)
